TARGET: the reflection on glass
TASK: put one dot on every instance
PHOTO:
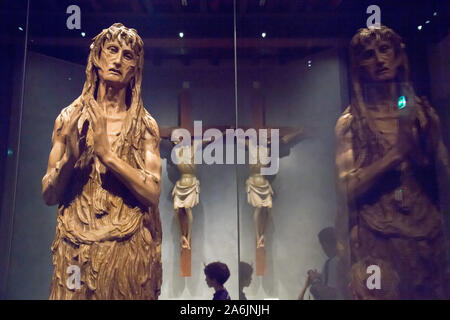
(387, 156)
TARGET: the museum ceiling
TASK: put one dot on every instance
(293, 28)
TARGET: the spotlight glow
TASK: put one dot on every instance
(181, 34)
(419, 27)
(263, 34)
(20, 28)
(83, 34)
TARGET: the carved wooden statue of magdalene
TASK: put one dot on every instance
(104, 173)
(389, 146)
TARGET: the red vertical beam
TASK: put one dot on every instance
(257, 106)
(185, 108)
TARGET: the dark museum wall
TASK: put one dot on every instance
(50, 84)
(11, 89)
(439, 69)
(305, 197)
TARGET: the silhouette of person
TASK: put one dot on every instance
(217, 273)
(245, 278)
(324, 285)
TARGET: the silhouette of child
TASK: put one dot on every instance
(245, 278)
(217, 273)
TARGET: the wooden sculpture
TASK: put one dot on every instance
(104, 174)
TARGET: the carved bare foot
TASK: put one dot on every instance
(185, 243)
(260, 242)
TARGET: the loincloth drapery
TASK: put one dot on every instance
(259, 195)
(186, 196)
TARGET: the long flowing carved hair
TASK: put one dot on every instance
(365, 127)
(138, 120)
(137, 117)
(133, 95)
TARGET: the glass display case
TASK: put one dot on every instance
(313, 138)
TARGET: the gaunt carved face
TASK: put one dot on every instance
(379, 61)
(117, 63)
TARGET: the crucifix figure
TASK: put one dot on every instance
(186, 191)
(259, 190)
